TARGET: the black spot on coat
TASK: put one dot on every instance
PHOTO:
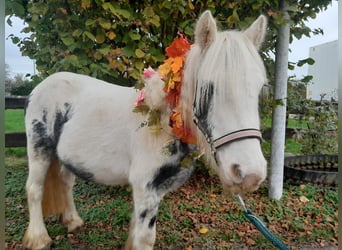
(44, 141)
(164, 176)
(169, 177)
(203, 107)
(78, 171)
(152, 222)
(143, 215)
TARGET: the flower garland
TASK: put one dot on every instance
(171, 72)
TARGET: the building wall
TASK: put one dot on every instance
(324, 71)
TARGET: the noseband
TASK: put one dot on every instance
(248, 133)
(236, 136)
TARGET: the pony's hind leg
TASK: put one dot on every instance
(36, 236)
(70, 217)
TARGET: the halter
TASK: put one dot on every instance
(248, 133)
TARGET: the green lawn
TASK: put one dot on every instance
(305, 216)
(14, 120)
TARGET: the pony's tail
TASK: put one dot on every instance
(55, 191)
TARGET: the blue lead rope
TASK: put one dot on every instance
(261, 227)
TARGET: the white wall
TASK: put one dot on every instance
(324, 71)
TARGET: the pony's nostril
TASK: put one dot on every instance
(237, 172)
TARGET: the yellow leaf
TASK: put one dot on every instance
(191, 6)
(303, 199)
(85, 4)
(188, 248)
(111, 35)
(164, 69)
(204, 230)
(100, 38)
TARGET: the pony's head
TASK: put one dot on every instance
(223, 77)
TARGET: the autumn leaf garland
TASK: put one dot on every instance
(171, 72)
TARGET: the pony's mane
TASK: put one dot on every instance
(223, 65)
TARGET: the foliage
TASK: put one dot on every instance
(317, 132)
(322, 128)
(115, 41)
(19, 84)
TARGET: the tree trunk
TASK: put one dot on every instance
(279, 110)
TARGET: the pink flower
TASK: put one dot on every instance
(149, 72)
(140, 98)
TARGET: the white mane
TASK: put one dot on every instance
(224, 64)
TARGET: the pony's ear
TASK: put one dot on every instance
(205, 32)
(256, 32)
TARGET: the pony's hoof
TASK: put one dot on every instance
(39, 242)
(75, 225)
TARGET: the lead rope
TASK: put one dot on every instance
(261, 226)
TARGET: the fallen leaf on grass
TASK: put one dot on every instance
(303, 199)
(203, 230)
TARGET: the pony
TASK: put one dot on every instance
(80, 126)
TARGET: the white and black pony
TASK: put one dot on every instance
(80, 126)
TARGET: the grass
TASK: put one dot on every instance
(14, 120)
(198, 204)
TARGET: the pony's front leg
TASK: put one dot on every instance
(142, 233)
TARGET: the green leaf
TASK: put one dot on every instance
(148, 11)
(105, 50)
(310, 61)
(134, 36)
(89, 35)
(15, 8)
(155, 20)
(139, 65)
(90, 22)
(68, 40)
(15, 39)
(104, 23)
(124, 13)
(139, 53)
(77, 32)
(128, 51)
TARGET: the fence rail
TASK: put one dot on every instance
(15, 139)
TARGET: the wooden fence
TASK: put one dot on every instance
(15, 139)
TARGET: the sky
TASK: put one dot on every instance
(327, 20)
